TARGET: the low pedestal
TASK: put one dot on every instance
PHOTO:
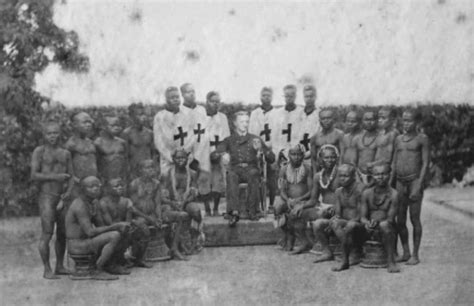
(246, 232)
(84, 265)
(157, 249)
(374, 255)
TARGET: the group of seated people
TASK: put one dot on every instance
(105, 195)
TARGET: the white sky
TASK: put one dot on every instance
(354, 51)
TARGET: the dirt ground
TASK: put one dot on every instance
(256, 275)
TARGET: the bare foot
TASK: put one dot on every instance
(143, 264)
(342, 267)
(50, 275)
(413, 261)
(299, 250)
(393, 268)
(62, 271)
(404, 257)
(178, 256)
(324, 257)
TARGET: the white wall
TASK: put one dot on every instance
(355, 51)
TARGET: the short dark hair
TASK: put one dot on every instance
(415, 112)
(267, 89)
(183, 87)
(170, 89)
(289, 86)
(211, 94)
(310, 87)
(240, 113)
(132, 109)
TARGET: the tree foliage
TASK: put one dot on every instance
(29, 42)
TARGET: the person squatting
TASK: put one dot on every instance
(108, 195)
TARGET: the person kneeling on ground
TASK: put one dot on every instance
(379, 207)
(84, 233)
(145, 192)
(179, 194)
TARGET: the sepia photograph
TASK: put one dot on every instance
(217, 152)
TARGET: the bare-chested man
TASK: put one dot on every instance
(411, 160)
(112, 151)
(348, 143)
(179, 195)
(345, 223)
(114, 208)
(51, 167)
(324, 186)
(328, 134)
(295, 180)
(83, 151)
(139, 138)
(387, 135)
(145, 192)
(85, 232)
(366, 144)
(379, 207)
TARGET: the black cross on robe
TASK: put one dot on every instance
(199, 132)
(180, 135)
(287, 132)
(266, 131)
(305, 141)
(215, 143)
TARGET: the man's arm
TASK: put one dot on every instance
(314, 153)
(425, 156)
(315, 191)
(364, 208)
(307, 195)
(337, 205)
(104, 212)
(392, 211)
(283, 184)
(393, 173)
(70, 171)
(90, 230)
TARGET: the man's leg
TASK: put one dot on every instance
(300, 228)
(320, 229)
(178, 217)
(195, 230)
(401, 225)
(108, 243)
(47, 212)
(216, 196)
(415, 212)
(253, 180)
(60, 244)
(346, 232)
(388, 237)
(140, 237)
(232, 192)
(281, 210)
(272, 186)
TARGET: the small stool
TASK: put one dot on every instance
(374, 255)
(84, 266)
(334, 245)
(157, 249)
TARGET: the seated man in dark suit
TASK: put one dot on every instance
(244, 151)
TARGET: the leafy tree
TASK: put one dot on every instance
(29, 41)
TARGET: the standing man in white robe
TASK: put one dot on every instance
(208, 133)
(264, 123)
(309, 124)
(171, 129)
(194, 111)
(288, 119)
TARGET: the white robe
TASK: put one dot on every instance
(167, 129)
(308, 125)
(206, 131)
(264, 125)
(287, 129)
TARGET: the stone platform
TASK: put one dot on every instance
(246, 232)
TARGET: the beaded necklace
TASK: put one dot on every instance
(330, 179)
(371, 142)
(295, 175)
